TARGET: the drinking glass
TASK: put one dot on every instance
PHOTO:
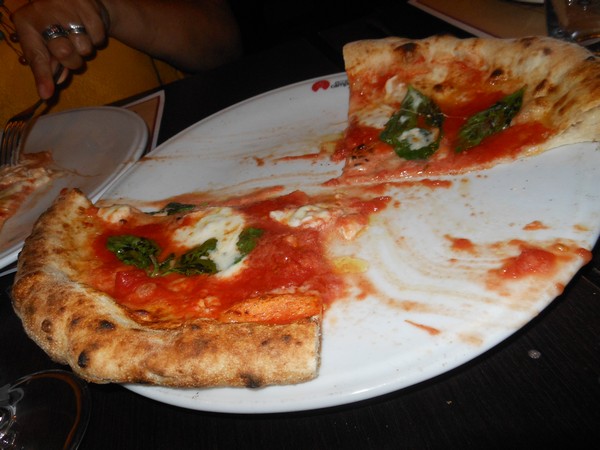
(575, 21)
(45, 410)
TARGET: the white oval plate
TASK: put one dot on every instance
(94, 146)
(432, 310)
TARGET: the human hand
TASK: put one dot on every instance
(53, 32)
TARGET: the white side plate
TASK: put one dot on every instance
(95, 146)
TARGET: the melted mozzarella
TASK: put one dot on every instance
(309, 216)
(376, 117)
(221, 223)
(395, 90)
(115, 213)
(418, 138)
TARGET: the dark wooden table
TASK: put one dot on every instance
(539, 388)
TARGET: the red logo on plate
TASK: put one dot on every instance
(321, 84)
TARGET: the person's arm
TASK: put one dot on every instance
(192, 35)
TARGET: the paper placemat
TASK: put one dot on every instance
(150, 108)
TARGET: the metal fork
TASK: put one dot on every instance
(15, 129)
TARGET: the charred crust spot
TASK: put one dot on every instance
(83, 360)
(74, 322)
(560, 102)
(250, 381)
(286, 339)
(526, 42)
(106, 325)
(201, 345)
(496, 73)
(541, 86)
(563, 109)
(361, 151)
(438, 88)
(29, 310)
(409, 47)
(590, 58)
(407, 52)
(47, 326)
(547, 51)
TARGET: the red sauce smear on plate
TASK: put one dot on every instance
(540, 262)
(432, 331)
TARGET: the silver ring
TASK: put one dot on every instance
(75, 28)
(53, 32)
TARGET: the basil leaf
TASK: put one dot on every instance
(415, 130)
(142, 253)
(174, 208)
(247, 240)
(196, 260)
(489, 121)
(134, 250)
(164, 267)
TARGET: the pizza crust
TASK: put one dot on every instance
(86, 329)
(563, 79)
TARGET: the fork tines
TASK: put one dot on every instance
(11, 143)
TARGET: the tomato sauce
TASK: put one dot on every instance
(430, 330)
(286, 259)
(531, 261)
(461, 244)
(364, 152)
(535, 225)
(539, 261)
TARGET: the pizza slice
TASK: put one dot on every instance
(18, 182)
(444, 105)
(208, 293)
